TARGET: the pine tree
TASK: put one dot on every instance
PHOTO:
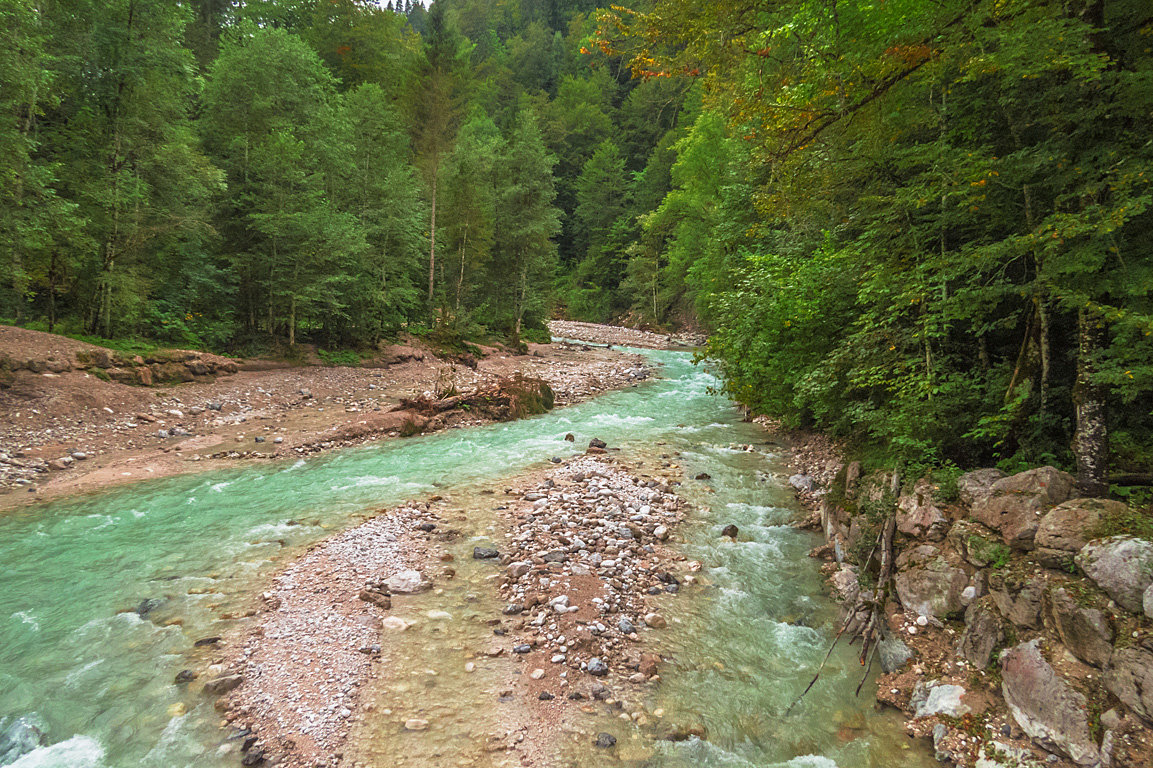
(526, 223)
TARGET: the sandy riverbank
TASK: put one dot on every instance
(73, 432)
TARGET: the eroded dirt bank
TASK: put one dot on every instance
(65, 429)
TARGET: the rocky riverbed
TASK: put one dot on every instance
(1019, 631)
(582, 553)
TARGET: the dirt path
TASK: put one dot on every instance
(65, 430)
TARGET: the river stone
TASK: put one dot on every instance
(1016, 503)
(1120, 565)
(1066, 528)
(597, 668)
(893, 653)
(223, 684)
(1147, 602)
(415, 724)
(21, 735)
(406, 582)
(606, 740)
(1129, 677)
(1045, 706)
(977, 485)
(918, 516)
(984, 631)
(1084, 631)
(932, 589)
(485, 553)
(1018, 597)
(929, 700)
(802, 483)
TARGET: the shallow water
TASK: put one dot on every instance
(74, 649)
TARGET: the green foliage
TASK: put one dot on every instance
(926, 204)
(345, 358)
(994, 553)
(1135, 520)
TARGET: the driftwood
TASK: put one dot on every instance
(506, 400)
(864, 620)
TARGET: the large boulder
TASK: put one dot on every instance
(1120, 565)
(1129, 677)
(977, 544)
(918, 516)
(1066, 528)
(1085, 631)
(984, 631)
(1015, 504)
(1053, 714)
(1018, 597)
(1147, 602)
(930, 584)
(976, 486)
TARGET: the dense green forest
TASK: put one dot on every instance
(924, 225)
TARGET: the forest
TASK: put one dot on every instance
(921, 226)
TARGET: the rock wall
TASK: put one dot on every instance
(1005, 604)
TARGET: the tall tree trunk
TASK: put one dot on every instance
(432, 243)
(1043, 315)
(1091, 441)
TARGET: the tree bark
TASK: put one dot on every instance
(1091, 441)
(432, 242)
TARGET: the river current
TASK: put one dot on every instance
(103, 596)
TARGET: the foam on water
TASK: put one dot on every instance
(76, 752)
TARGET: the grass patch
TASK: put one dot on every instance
(345, 358)
(1135, 520)
(410, 428)
(127, 346)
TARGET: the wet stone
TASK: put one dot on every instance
(606, 740)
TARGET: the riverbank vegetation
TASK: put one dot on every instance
(925, 227)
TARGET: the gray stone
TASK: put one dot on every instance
(406, 582)
(918, 516)
(893, 653)
(626, 626)
(1016, 503)
(932, 589)
(597, 668)
(1066, 528)
(485, 553)
(606, 740)
(1147, 602)
(1086, 632)
(1129, 677)
(984, 631)
(1045, 706)
(803, 483)
(1018, 597)
(975, 486)
(223, 684)
(929, 700)
(1120, 565)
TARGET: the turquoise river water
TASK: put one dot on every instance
(77, 654)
